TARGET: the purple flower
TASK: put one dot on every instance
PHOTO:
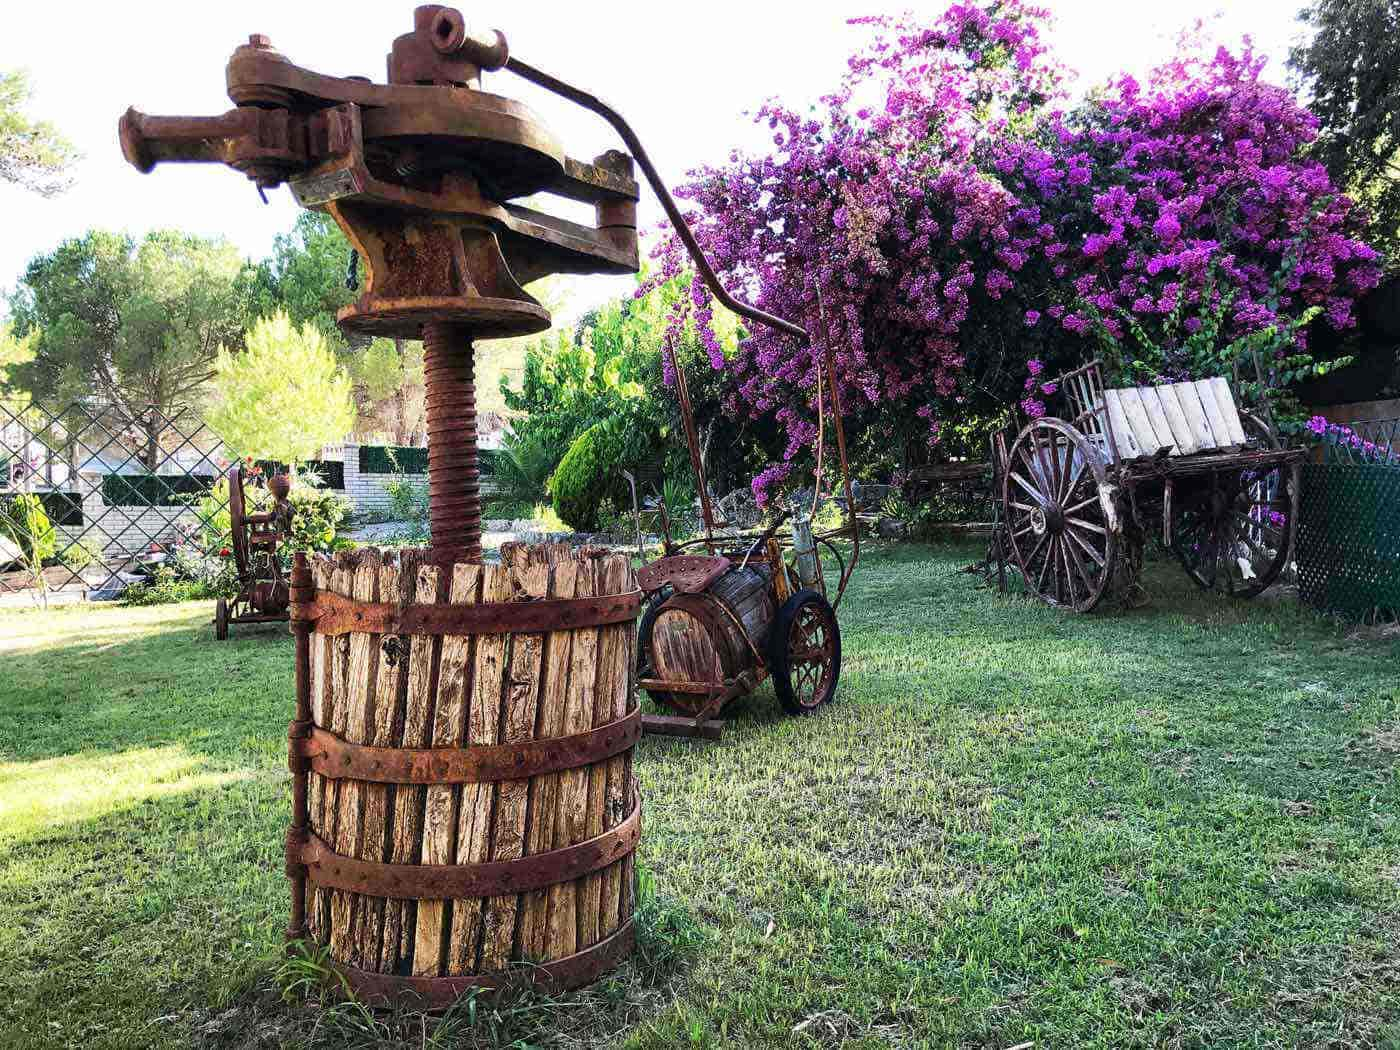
(1032, 318)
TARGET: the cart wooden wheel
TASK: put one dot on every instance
(1057, 528)
(1234, 535)
(804, 652)
(221, 619)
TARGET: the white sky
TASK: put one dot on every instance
(682, 74)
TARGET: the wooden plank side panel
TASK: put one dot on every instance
(547, 827)
(455, 682)
(361, 670)
(409, 801)
(1128, 447)
(491, 659)
(1195, 414)
(530, 579)
(342, 582)
(1225, 401)
(1214, 416)
(1181, 430)
(572, 823)
(1144, 434)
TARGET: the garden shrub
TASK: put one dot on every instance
(23, 520)
(589, 473)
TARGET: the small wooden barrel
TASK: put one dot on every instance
(463, 751)
(695, 638)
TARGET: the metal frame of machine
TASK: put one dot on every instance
(263, 591)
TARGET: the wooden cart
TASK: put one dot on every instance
(1078, 491)
(263, 594)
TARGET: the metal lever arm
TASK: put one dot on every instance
(668, 204)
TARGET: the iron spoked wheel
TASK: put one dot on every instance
(1057, 529)
(804, 652)
(1234, 534)
(221, 619)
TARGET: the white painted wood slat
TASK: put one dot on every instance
(1158, 415)
(1186, 442)
(1128, 447)
(1147, 437)
(1196, 417)
(1213, 414)
(1225, 401)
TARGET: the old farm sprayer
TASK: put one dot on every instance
(461, 752)
(263, 592)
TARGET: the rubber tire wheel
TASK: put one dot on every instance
(221, 620)
(644, 628)
(778, 662)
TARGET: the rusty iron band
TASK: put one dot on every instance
(324, 867)
(335, 758)
(333, 614)
(437, 993)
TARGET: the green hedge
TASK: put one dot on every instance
(154, 490)
(406, 459)
(63, 508)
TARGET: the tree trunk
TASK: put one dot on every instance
(151, 456)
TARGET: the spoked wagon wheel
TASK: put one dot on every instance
(804, 652)
(1234, 532)
(1057, 528)
(221, 619)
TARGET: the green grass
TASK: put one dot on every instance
(1173, 826)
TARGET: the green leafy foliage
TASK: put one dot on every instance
(589, 474)
(24, 521)
(137, 325)
(33, 154)
(1350, 70)
(523, 466)
(282, 398)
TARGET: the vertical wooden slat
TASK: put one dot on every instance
(1157, 415)
(322, 575)
(1146, 437)
(530, 579)
(385, 722)
(342, 582)
(1128, 447)
(1218, 426)
(474, 819)
(547, 823)
(360, 680)
(572, 820)
(1195, 414)
(455, 683)
(1225, 402)
(1186, 442)
(401, 916)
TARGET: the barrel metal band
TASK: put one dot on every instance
(335, 758)
(335, 614)
(438, 993)
(325, 867)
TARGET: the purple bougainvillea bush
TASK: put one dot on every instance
(946, 216)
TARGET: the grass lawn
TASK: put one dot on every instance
(1174, 826)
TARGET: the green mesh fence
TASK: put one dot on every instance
(1349, 539)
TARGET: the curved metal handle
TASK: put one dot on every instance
(668, 204)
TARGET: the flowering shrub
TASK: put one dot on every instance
(1343, 437)
(942, 218)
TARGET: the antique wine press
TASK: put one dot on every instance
(420, 174)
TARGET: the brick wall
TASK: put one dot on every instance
(369, 493)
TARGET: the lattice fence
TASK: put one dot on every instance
(1349, 527)
(120, 493)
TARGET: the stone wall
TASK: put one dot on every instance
(369, 493)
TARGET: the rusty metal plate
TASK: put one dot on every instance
(334, 614)
(335, 758)
(686, 573)
(325, 867)
(438, 993)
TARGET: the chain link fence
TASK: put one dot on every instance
(94, 497)
(1349, 526)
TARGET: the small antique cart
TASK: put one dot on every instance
(751, 606)
(263, 594)
(1077, 492)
